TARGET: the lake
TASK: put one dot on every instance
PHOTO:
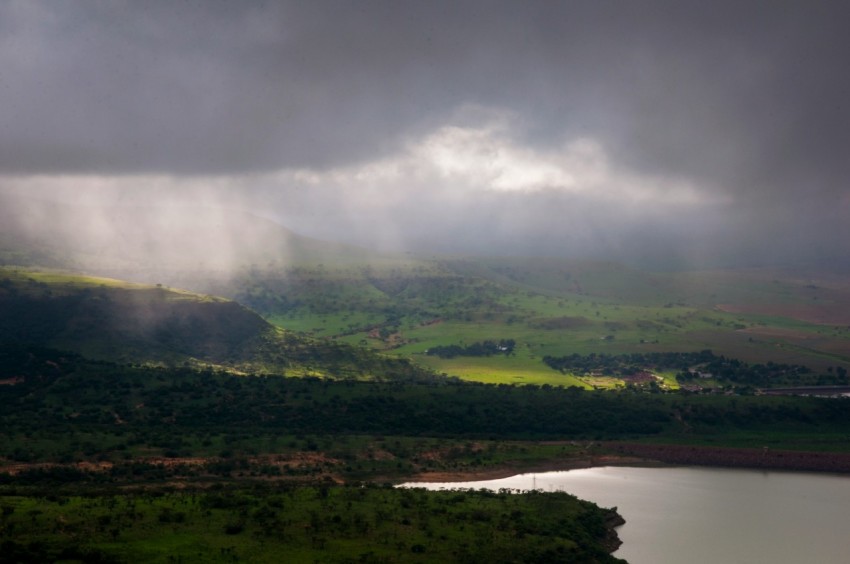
(706, 515)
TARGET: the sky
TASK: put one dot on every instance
(654, 132)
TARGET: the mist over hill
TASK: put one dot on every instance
(154, 243)
(191, 242)
(117, 321)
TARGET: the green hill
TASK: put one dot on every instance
(113, 320)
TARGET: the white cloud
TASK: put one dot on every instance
(452, 160)
(467, 159)
(486, 156)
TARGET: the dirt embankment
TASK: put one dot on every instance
(768, 459)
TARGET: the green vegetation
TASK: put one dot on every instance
(176, 437)
(305, 524)
(258, 459)
(704, 368)
(118, 321)
(117, 464)
(553, 308)
(64, 409)
(90, 453)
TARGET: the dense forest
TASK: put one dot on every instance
(64, 395)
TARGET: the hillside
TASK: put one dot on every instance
(553, 307)
(135, 323)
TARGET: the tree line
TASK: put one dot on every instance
(697, 365)
(482, 348)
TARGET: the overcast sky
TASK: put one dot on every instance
(642, 130)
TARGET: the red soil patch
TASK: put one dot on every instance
(171, 462)
(378, 454)
(17, 468)
(297, 460)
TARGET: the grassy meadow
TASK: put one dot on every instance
(558, 308)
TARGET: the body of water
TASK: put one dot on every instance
(710, 516)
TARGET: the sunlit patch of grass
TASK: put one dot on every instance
(61, 282)
(77, 280)
(500, 370)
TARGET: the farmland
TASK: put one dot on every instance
(557, 308)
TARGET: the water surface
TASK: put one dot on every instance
(710, 516)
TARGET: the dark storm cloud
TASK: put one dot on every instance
(211, 87)
(746, 101)
(204, 86)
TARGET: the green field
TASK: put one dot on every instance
(558, 308)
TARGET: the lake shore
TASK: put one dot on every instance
(650, 455)
(512, 469)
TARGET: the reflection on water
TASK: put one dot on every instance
(712, 516)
